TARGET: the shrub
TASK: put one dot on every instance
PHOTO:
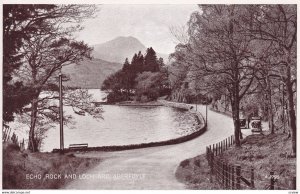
(9, 147)
(184, 163)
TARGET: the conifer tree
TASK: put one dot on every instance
(140, 62)
(126, 65)
(151, 63)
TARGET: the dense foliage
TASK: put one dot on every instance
(244, 58)
(144, 79)
(20, 22)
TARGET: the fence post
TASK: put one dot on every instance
(238, 177)
(221, 146)
(272, 180)
(226, 143)
(228, 139)
(252, 178)
(232, 178)
(216, 150)
(207, 153)
(294, 183)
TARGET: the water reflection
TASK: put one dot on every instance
(124, 125)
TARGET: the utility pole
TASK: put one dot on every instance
(61, 117)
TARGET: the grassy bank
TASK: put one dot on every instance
(265, 153)
(195, 173)
(24, 170)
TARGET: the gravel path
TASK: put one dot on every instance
(151, 168)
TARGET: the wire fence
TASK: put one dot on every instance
(237, 177)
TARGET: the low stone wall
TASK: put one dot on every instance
(201, 128)
(185, 107)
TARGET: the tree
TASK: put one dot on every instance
(276, 26)
(139, 62)
(123, 84)
(45, 54)
(128, 76)
(219, 55)
(150, 85)
(19, 22)
(126, 65)
(151, 63)
(45, 59)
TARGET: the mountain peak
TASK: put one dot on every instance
(126, 37)
(129, 40)
(118, 49)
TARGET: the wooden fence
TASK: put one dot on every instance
(237, 177)
(12, 138)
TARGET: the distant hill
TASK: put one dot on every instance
(108, 58)
(120, 48)
(90, 73)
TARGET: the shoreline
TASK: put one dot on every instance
(136, 103)
(201, 128)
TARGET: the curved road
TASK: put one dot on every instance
(151, 168)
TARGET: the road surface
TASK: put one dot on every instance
(151, 168)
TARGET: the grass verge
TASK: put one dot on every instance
(24, 170)
(265, 153)
(195, 173)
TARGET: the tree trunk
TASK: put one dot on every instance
(236, 123)
(291, 110)
(235, 104)
(270, 110)
(32, 146)
(236, 120)
(283, 109)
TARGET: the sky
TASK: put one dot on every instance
(148, 23)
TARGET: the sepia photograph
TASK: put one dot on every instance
(149, 97)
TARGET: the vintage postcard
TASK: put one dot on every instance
(149, 96)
